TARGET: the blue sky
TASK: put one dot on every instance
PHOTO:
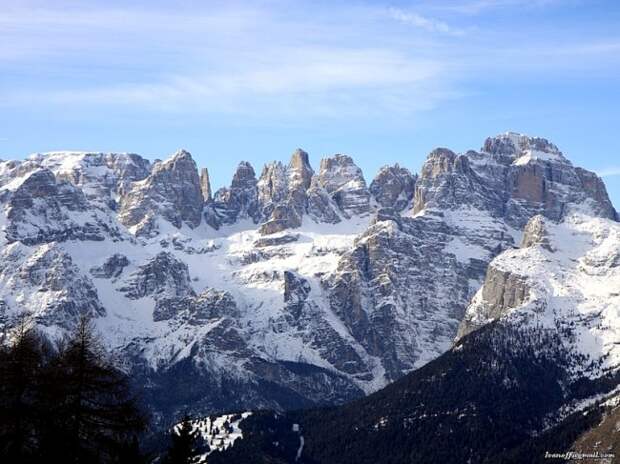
(383, 81)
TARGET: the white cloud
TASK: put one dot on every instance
(340, 61)
(423, 22)
(316, 80)
(336, 60)
(609, 172)
(475, 7)
(35, 33)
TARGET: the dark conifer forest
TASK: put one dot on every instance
(65, 402)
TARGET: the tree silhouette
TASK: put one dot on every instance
(20, 365)
(68, 404)
(183, 444)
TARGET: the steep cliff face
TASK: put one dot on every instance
(172, 191)
(164, 275)
(296, 288)
(272, 186)
(513, 177)
(399, 294)
(321, 206)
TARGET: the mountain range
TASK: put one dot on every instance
(488, 275)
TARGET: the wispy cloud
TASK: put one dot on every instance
(322, 81)
(223, 59)
(69, 32)
(263, 59)
(423, 22)
(474, 7)
(609, 172)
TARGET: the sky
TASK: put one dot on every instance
(382, 81)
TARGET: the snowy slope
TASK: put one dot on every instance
(566, 278)
(216, 433)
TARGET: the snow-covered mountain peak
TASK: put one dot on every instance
(103, 177)
(523, 149)
(181, 153)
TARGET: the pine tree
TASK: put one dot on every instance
(91, 406)
(68, 404)
(20, 363)
(183, 444)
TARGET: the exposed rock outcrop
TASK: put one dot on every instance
(42, 210)
(283, 193)
(111, 268)
(172, 191)
(275, 241)
(272, 187)
(296, 290)
(299, 173)
(205, 185)
(395, 275)
(207, 306)
(48, 285)
(536, 233)
(345, 184)
(321, 206)
(393, 187)
(563, 279)
(514, 178)
(501, 292)
(162, 276)
(103, 177)
(238, 202)
(282, 217)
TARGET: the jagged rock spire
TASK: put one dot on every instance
(205, 185)
(300, 171)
